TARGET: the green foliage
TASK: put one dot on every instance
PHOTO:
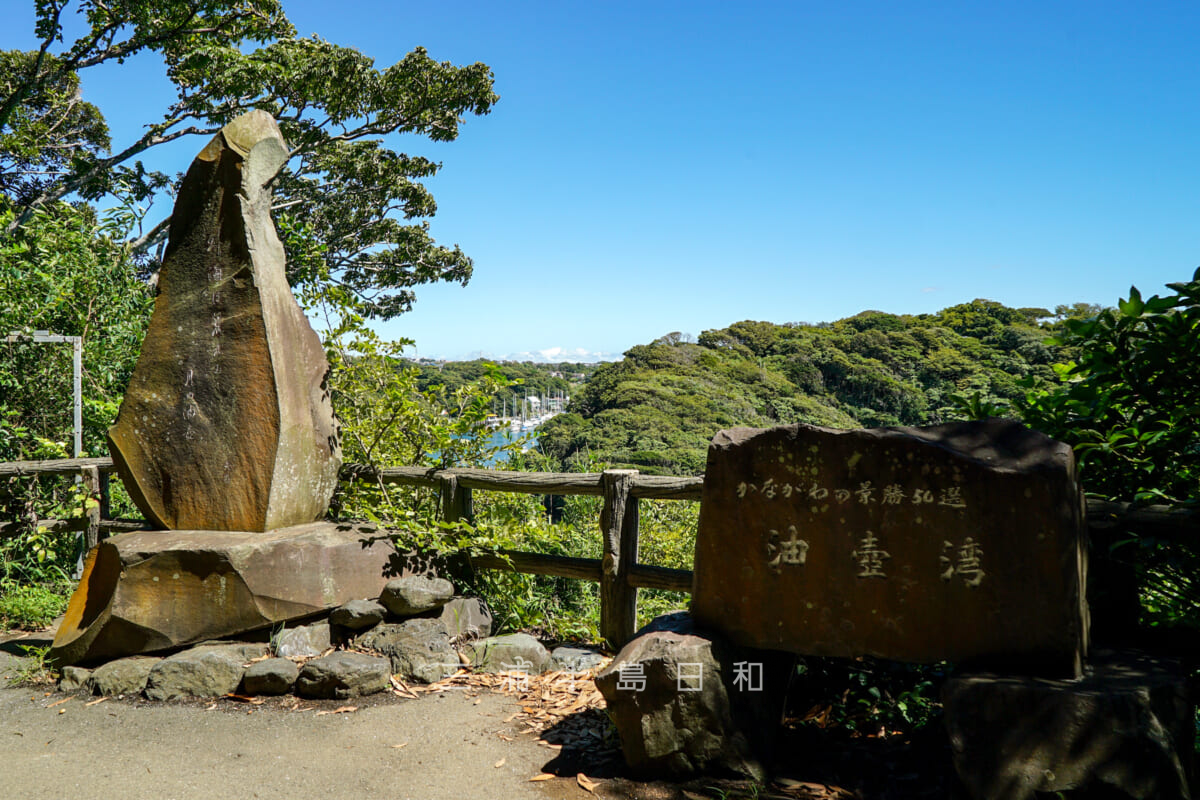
(35, 671)
(388, 420)
(67, 272)
(53, 144)
(865, 695)
(359, 197)
(1130, 402)
(667, 538)
(30, 606)
(523, 379)
(658, 408)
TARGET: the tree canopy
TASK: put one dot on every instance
(658, 408)
(359, 199)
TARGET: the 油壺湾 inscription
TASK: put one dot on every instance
(792, 550)
(870, 557)
(965, 560)
(952, 542)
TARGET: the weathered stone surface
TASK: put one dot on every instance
(74, 678)
(415, 594)
(513, 652)
(227, 422)
(272, 676)
(1128, 724)
(466, 618)
(575, 659)
(343, 675)
(155, 590)
(208, 671)
(123, 676)
(306, 641)
(419, 648)
(357, 615)
(678, 706)
(961, 541)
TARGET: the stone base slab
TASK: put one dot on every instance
(1127, 724)
(151, 591)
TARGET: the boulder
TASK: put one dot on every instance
(466, 618)
(415, 594)
(513, 652)
(686, 703)
(148, 591)
(74, 678)
(344, 674)
(208, 671)
(963, 542)
(272, 676)
(575, 659)
(1128, 725)
(419, 649)
(227, 422)
(357, 615)
(306, 641)
(126, 676)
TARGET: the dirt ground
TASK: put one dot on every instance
(464, 743)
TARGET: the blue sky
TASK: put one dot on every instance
(680, 166)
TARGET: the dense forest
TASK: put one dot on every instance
(657, 409)
(523, 378)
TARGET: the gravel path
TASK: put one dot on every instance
(194, 750)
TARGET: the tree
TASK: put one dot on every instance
(69, 273)
(332, 104)
(53, 143)
(1130, 402)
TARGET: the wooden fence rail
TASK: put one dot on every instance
(618, 572)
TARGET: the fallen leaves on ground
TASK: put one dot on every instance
(803, 790)
(401, 688)
(564, 710)
(339, 710)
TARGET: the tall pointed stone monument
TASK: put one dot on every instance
(227, 422)
(226, 437)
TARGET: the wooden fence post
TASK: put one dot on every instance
(91, 507)
(619, 526)
(457, 504)
(105, 497)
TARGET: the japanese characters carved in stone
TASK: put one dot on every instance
(227, 422)
(960, 541)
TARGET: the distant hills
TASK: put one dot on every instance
(657, 409)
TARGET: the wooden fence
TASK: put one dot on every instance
(618, 571)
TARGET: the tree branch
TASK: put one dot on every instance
(148, 239)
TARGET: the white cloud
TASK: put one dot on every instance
(556, 354)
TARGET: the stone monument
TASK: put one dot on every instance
(227, 422)
(226, 437)
(962, 542)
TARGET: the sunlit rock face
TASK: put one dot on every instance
(151, 591)
(227, 422)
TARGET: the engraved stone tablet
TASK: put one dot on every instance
(961, 542)
(227, 422)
